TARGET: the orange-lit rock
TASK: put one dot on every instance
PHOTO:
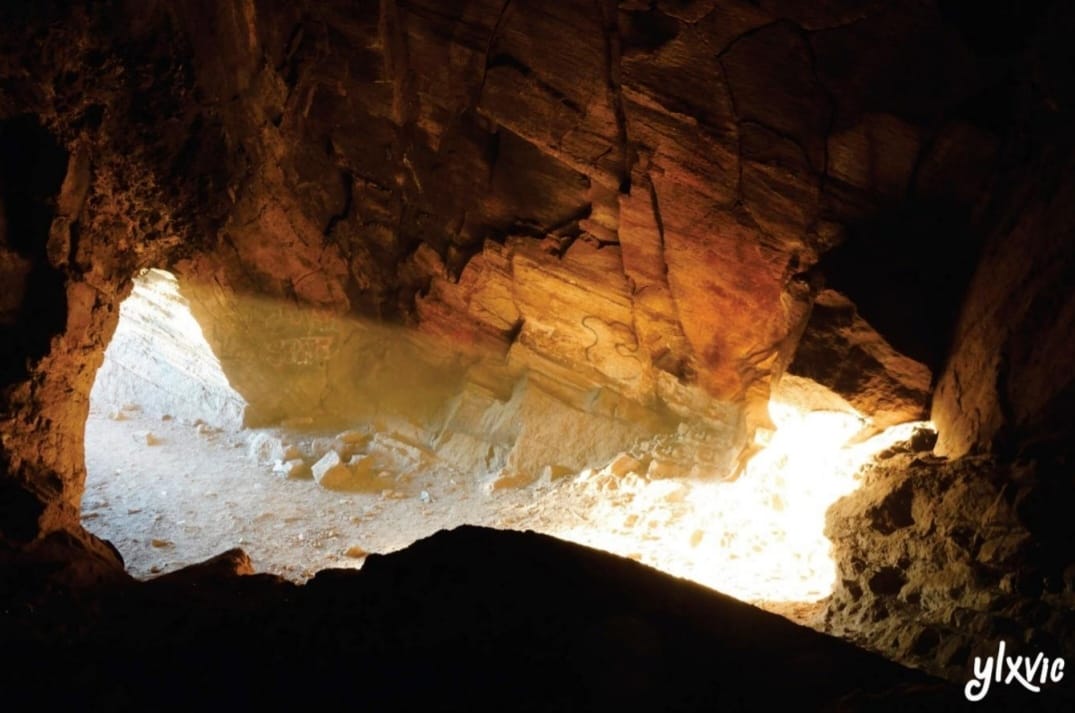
(510, 225)
(841, 351)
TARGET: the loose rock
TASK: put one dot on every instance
(295, 469)
(356, 552)
(331, 472)
(147, 437)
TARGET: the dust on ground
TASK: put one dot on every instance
(170, 493)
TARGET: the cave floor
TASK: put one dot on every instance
(196, 492)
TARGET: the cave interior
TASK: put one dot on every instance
(461, 354)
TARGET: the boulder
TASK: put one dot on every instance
(295, 468)
(965, 547)
(842, 352)
(332, 473)
(623, 464)
(264, 447)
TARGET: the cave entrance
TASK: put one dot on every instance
(158, 391)
(177, 475)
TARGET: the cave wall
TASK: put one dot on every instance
(712, 210)
(470, 404)
(942, 554)
(1009, 384)
(158, 361)
(702, 156)
(98, 218)
(940, 559)
(640, 199)
(1006, 384)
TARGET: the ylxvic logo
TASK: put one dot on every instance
(1030, 673)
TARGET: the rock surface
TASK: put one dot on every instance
(631, 202)
(1008, 384)
(938, 560)
(841, 351)
(678, 227)
(409, 632)
(332, 472)
(158, 358)
(295, 469)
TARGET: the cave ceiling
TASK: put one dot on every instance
(716, 193)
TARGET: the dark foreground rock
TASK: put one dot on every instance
(469, 619)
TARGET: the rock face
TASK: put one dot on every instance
(841, 351)
(685, 224)
(1009, 382)
(939, 559)
(671, 174)
(482, 403)
(620, 216)
(1007, 385)
(158, 358)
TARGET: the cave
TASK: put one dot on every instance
(700, 355)
(365, 453)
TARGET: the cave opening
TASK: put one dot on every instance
(485, 344)
(359, 438)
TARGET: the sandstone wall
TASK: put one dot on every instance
(633, 200)
(1010, 382)
(482, 406)
(159, 360)
(708, 156)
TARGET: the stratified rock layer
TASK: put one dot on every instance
(159, 359)
(660, 182)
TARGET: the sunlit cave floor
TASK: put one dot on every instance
(184, 493)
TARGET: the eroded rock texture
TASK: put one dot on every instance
(670, 174)
(941, 559)
(640, 208)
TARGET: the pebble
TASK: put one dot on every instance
(146, 437)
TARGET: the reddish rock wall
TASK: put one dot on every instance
(638, 197)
